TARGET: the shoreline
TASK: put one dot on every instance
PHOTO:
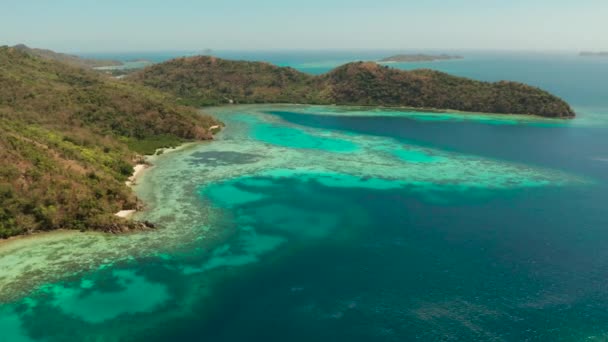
(141, 167)
(22, 253)
(421, 110)
(139, 170)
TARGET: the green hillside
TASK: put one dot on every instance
(69, 138)
(212, 81)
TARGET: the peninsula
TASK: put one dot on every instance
(204, 80)
(409, 58)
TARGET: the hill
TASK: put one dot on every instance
(211, 81)
(68, 139)
(370, 84)
(68, 59)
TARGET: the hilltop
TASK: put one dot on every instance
(69, 138)
(204, 80)
(212, 81)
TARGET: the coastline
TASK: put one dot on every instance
(24, 258)
(142, 167)
(420, 110)
(139, 170)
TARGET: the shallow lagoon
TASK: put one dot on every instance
(298, 223)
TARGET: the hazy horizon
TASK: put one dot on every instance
(412, 50)
(140, 26)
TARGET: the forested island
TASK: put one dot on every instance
(204, 80)
(409, 58)
(69, 138)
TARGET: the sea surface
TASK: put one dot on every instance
(327, 223)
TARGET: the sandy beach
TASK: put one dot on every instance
(125, 213)
(137, 171)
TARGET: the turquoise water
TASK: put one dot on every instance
(308, 223)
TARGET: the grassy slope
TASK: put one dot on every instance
(212, 81)
(68, 138)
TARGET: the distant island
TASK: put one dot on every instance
(68, 59)
(594, 54)
(204, 80)
(409, 58)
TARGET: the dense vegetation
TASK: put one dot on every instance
(69, 138)
(68, 59)
(371, 84)
(212, 81)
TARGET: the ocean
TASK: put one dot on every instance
(327, 223)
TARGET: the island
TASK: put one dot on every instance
(69, 138)
(409, 58)
(204, 80)
(594, 54)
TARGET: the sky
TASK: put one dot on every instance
(187, 25)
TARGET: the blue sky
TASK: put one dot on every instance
(154, 25)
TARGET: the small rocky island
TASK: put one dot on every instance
(409, 58)
(594, 54)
